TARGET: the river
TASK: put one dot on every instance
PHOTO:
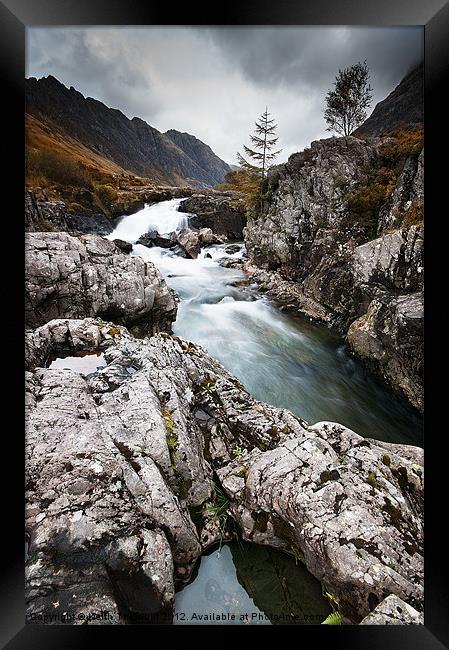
(281, 359)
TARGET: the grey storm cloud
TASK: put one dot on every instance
(312, 55)
(214, 82)
(100, 67)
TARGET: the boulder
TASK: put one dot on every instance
(393, 611)
(389, 338)
(123, 245)
(341, 501)
(232, 249)
(207, 237)
(147, 239)
(222, 212)
(122, 468)
(152, 238)
(231, 263)
(189, 240)
(164, 241)
(73, 277)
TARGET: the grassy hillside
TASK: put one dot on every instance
(65, 169)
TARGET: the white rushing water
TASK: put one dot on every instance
(285, 361)
(162, 217)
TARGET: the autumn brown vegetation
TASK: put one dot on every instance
(363, 204)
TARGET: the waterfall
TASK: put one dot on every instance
(162, 217)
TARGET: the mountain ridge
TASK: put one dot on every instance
(403, 107)
(132, 144)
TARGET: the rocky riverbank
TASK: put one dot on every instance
(222, 212)
(123, 466)
(341, 240)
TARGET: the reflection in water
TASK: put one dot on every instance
(283, 360)
(246, 584)
(85, 363)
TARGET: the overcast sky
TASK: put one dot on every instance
(214, 82)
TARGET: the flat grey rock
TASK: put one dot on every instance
(121, 467)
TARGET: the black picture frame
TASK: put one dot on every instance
(15, 16)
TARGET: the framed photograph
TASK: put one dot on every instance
(223, 262)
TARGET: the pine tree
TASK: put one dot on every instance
(263, 140)
(250, 177)
(347, 103)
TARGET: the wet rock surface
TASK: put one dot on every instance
(73, 277)
(286, 293)
(147, 239)
(389, 339)
(192, 240)
(208, 237)
(96, 224)
(122, 468)
(223, 212)
(189, 241)
(123, 245)
(389, 336)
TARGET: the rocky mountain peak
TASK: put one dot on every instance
(173, 158)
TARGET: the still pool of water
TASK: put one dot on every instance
(247, 584)
(85, 363)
